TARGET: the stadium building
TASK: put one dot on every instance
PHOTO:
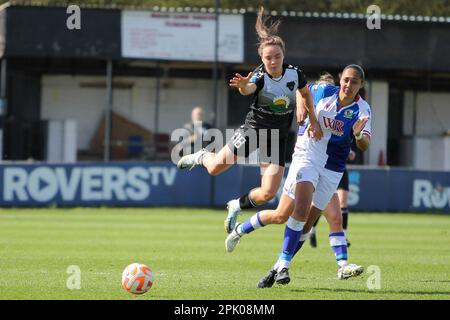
(113, 84)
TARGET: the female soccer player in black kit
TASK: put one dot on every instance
(274, 86)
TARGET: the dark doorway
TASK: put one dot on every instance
(395, 126)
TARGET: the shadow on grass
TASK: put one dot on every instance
(372, 291)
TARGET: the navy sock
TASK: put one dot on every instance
(344, 218)
(317, 221)
(245, 202)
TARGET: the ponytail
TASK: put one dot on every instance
(267, 33)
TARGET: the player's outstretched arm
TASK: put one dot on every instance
(242, 83)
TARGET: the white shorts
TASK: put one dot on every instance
(325, 181)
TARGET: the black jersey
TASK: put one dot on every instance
(274, 100)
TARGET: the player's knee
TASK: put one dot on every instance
(214, 170)
(267, 195)
(280, 218)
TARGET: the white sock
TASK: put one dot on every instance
(235, 204)
(275, 266)
(283, 264)
(305, 236)
(200, 156)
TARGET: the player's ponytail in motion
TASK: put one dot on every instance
(267, 33)
(326, 77)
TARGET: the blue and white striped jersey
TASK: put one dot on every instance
(332, 150)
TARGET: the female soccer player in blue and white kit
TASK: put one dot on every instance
(316, 169)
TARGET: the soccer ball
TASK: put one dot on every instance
(137, 278)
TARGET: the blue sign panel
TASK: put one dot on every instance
(162, 184)
(125, 184)
(399, 190)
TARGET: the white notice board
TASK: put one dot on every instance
(181, 36)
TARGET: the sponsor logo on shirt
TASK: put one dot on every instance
(280, 103)
(291, 85)
(336, 126)
(348, 114)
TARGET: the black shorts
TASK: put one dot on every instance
(270, 142)
(343, 184)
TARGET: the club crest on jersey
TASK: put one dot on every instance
(280, 103)
(291, 85)
(335, 125)
(348, 114)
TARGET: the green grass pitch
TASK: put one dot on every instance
(185, 250)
